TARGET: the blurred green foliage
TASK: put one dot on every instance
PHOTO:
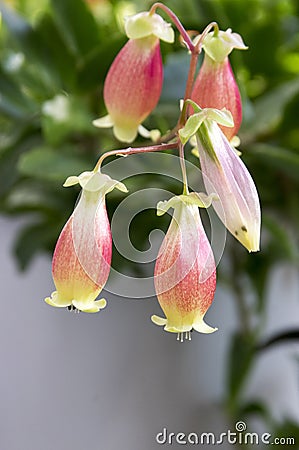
(53, 62)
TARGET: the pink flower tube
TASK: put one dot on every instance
(133, 86)
(134, 81)
(215, 85)
(185, 272)
(82, 256)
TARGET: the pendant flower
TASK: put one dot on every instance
(134, 81)
(82, 257)
(185, 272)
(215, 85)
(225, 174)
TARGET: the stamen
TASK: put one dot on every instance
(72, 308)
(184, 335)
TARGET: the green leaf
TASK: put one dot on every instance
(13, 102)
(47, 164)
(283, 159)
(30, 43)
(269, 109)
(254, 408)
(62, 60)
(32, 239)
(279, 338)
(241, 357)
(281, 243)
(65, 116)
(33, 195)
(10, 155)
(77, 25)
(288, 433)
(94, 68)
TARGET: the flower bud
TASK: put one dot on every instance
(239, 206)
(82, 256)
(225, 174)
(134, 81)
(185, 273)
(215, 85)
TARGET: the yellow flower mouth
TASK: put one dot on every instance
(87, 306)
(183, 330)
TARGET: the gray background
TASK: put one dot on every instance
(113, 380)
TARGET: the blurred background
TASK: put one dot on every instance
(114, 380)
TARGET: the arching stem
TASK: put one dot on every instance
(177, 23)
(131, 151)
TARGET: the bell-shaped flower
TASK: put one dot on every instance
(215, 85)
(82, 256)
(225, 174)
(185, 272)
(134, 81)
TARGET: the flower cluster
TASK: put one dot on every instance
(211, 114)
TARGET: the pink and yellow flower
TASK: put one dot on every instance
(225, 174)
(185, 272)
(82, 256)
(134, 82)
(215, 85)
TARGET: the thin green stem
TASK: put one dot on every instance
(177, 23)
(183, 168)
(131, 151)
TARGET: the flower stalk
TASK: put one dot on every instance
(131, 151)
(188, 42)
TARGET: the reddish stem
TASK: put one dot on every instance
(131, 151)
(192, 70)
(177, 23)
(189, 86)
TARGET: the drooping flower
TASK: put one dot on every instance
(185, 273)
(225, 174)
(215, 85)
(134, 81)
(82, 256)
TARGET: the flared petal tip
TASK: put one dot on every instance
(56, 301)
(92, 306)
(200, 327)
(103, 122)
(160, 321)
